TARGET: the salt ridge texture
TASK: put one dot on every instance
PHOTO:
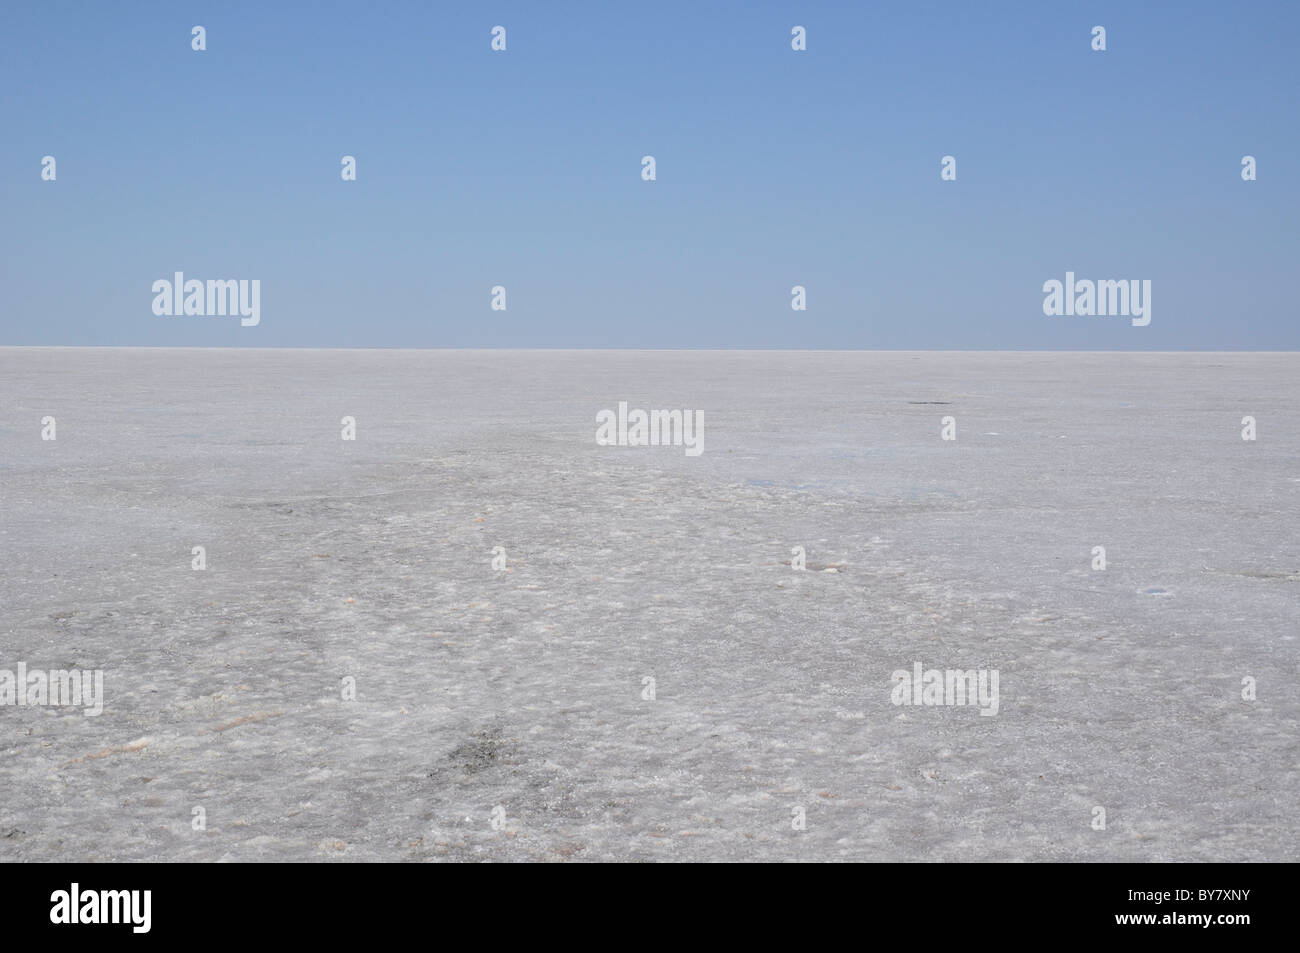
(476, 688)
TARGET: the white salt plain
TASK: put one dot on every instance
(475, 688)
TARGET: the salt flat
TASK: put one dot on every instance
(476, 688)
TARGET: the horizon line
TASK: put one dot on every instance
(794, 350)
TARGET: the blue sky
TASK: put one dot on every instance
(775, 168)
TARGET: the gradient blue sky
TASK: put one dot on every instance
(775, 168)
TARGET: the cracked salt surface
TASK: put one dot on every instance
(523, 688)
